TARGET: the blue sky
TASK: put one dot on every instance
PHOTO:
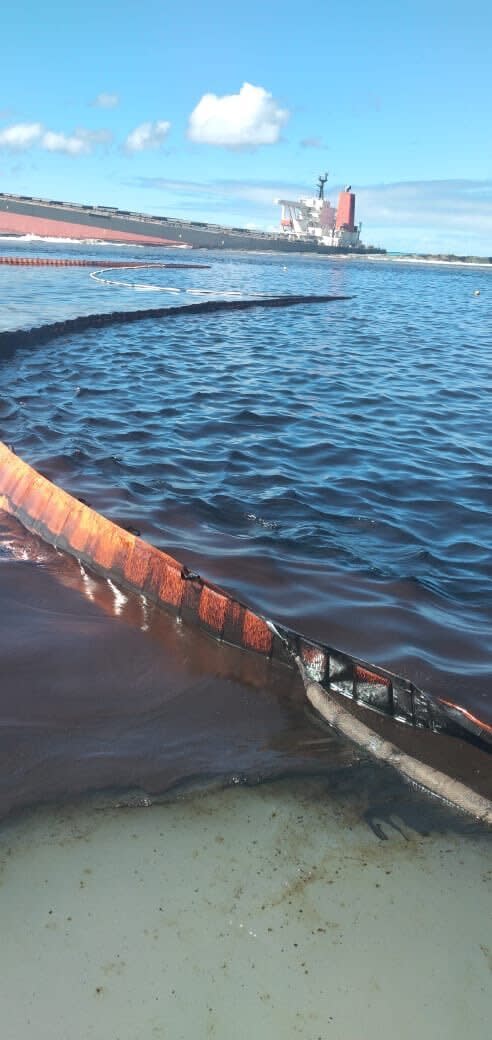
(212, 110)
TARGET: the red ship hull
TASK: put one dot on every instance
(16, 224)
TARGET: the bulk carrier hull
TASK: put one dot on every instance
(22, 215)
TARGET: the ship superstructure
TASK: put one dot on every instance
(315, 217)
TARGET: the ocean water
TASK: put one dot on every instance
(230, 867)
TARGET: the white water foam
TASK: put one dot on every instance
(57, 239)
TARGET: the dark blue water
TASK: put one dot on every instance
(331, 464)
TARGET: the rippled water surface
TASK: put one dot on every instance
(330, 463)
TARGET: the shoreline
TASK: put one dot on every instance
(439, 260)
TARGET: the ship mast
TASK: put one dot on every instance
(321, 186)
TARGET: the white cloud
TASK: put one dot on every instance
(229, 202)
(451, 204)
(81, 142)
(24, 135)
(106, 101)
(257, 195)
(20, 135)
(147, 135)
(247, 119)
(430, 216)
(54, 142)
(70, 144)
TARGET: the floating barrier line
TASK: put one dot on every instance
(135, 565)
(147, 287)
(99, 544)
(50, 261)
(10, 341)
(433, 780)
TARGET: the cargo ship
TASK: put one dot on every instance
(310, 225)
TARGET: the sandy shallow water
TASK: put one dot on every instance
(276, 911)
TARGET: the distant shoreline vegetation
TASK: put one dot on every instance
(448, 258)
